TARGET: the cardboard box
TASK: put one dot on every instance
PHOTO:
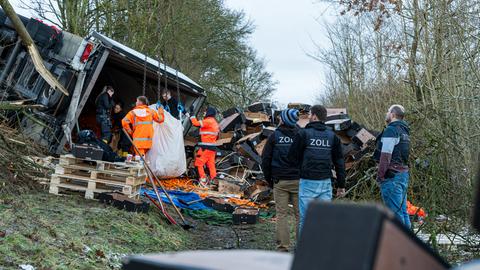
(339, 124)
(363, 137)
(259, 147)
(245, 215)
(230, 123)
(257, 117)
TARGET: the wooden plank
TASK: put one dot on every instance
(101, 175)
(133, 169)
(75, 188)
(107, 171)
(128, 182)
(89, 193)
(94, 187)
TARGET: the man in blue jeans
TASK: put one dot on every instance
(393, 148)
(316, 150)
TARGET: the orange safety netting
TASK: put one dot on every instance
(188, 185)
(415, 210)
(242, 202)
(184, 184)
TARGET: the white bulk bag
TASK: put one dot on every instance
(167, 157)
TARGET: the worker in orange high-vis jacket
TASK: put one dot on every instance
(139, 124)
(209, 132)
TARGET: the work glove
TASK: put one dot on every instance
(180, 108)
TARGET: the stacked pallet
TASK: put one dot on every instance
(94, 177)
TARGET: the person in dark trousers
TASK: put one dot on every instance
(392, 155)
(104, 104)
(281, 175)
(123, 145)
(170, 104)
(316, 149)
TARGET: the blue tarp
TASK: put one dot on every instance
(180, 198)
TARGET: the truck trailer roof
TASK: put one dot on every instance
(140, 58)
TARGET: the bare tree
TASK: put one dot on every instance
(424, 54)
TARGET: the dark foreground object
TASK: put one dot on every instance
(334, 237)
(212, 260)
(349, 236)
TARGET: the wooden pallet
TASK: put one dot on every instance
(88, 193)
(93, 177)
(116, 168)
(82, 172)
(91, 187)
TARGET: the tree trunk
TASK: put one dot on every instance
(32, 49)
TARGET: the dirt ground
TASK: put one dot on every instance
(258, 236)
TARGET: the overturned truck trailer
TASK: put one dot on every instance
(84, 66)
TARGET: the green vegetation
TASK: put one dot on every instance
(69, 232)
(421, 54)
(52, 232)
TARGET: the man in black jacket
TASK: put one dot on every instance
(392, 153)
(281, 175)
(316, 149)
(104, 104)
(170, 104)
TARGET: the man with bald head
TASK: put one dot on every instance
(393, 148)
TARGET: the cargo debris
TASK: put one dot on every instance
(244, 134)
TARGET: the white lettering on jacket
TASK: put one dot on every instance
(285, 140)
(319, 143)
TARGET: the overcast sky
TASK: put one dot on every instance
(285, 31)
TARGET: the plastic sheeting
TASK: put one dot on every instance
(180, 199)
(167, 157)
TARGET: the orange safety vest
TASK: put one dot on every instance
(209, 130)
(139, 124)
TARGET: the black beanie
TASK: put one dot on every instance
(211, 112)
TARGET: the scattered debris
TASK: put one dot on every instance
(86, 249)
(244, 134)
(243, 215)
(26, 267)
(241, 188)
(123, 202)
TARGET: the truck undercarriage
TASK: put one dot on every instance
(83, 67)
